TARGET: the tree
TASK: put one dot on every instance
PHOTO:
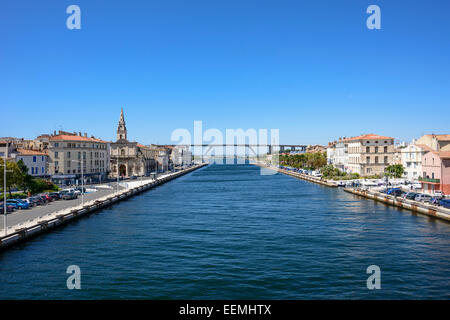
(27, 180)
(14, 175)
(394, 170)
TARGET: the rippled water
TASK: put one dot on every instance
(226, 232)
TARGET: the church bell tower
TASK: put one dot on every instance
(121, 128)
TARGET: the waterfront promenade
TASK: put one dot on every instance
(29, 223)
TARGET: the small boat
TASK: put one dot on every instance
(341, 184)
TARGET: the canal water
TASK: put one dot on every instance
(227, 232)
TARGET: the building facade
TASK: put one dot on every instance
(411, 159)
(73, 155)
(129, 158)
(369, 154)
(435, 163)
(181, 156)
(36, 161)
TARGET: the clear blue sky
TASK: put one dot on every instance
(309, 68)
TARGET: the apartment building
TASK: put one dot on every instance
(369, 154)
(337, 154)
(69, 152)
(36, 161)
(435, 163)
(411, 159)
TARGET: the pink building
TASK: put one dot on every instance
(436, 172)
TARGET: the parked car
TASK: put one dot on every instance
(43, 199)
(410, 195)
(423, 198)
(396, 192)
(445, 203)
(9, 208)
(36, 200)
(81, 189)
(18, 204)
(30, 202)
(439, 194)
(69, 196)
(55, 195)
(47, 197)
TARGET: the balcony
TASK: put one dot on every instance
(429, 180)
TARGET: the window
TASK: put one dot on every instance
(42, 159)
(56, 155)
(367, 149)
(367, 159)
(432, 175)
(385, 149)
(376, 159)
(376, 149)
(68, 154)
(56, 144)
(34, 158)
(385, 159)
(369, 170)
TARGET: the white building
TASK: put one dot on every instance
(337, 154)
(36, 161)
(181, 156)
(411, 159)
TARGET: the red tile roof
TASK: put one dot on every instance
(369, 136)
(444, 154)
(440, 137)
(26, 152)
(63, 137)
(424, 147)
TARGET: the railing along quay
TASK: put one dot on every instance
(50, 221)
(415, 206)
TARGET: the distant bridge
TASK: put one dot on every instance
(250, 146)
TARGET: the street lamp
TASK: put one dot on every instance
(82, 179)
(5, 224)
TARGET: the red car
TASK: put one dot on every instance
(46, 197)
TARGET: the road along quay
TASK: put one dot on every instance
(33, 227)
(415, 206)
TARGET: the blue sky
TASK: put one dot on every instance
(309, 68)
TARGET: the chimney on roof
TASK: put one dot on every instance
(85, 134)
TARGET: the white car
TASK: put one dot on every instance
(439, 193)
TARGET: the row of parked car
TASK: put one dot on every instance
(39, 200)
(314, 173)
(437, 199)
